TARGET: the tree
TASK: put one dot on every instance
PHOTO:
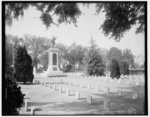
(66, 12)
(124, 67)
(96, 65)
(23, 70)
(36, 46)
(128, 56)
(114, 53)
(8, 56)
(114, 69)
(13, 96)
(121, 16)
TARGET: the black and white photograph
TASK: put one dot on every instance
(74, 58)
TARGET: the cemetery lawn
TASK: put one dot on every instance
(50, 102)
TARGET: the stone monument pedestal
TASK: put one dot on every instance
(53, 69)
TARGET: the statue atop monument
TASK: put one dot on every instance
(53, 41)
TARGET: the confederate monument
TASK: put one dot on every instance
(53, 69)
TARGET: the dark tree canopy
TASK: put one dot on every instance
(13, 95)
(124, 67)
(23, 70)
(66, 12)
(96, 65)
(121, 16)
(114, 69)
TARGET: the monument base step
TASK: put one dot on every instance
(56, 74)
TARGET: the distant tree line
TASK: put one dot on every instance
(76, 56)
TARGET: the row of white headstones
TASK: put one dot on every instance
(89, 98)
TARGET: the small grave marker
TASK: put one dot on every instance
(134, 95)
(97, 88)
(77, 95)
(32, 110)
(137, 84)
(26, 105)
(67, 92)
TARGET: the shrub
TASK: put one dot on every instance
(96, 65)
(67, 68)
(114, 69)
(13, 96)
(23, 69)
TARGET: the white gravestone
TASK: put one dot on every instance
(134, 95)
(26, 105)
(77, 95)
(67, 92)
(32, 110)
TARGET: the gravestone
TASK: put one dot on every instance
(26, 105)
(77, 95)
(68, 92)
(34, 70)
(32, 110)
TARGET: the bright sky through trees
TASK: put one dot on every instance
(87, 27)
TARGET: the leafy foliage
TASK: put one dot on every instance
(114, 69)
(23, 70)
(124, 67)
(66, 12)
(114, 53)
(75, 54)
(37, 46)
(121, 16)
(128, 57)
(8, 56)
(96, 65)
(95, 62)
(13, 95)
(67, 68)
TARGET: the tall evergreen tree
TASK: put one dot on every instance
(23, 69)
(96, 65)
(114, 69)
(95, 62)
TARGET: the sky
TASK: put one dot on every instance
(87, 27)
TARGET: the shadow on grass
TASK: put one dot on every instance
(21, 83)
(40, 103)
(123, 102)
